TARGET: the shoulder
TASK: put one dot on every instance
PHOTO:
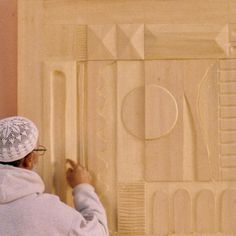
(54, 208)
(52, 201)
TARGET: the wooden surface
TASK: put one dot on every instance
(142, 93)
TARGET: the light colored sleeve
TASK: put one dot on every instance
(89, 206)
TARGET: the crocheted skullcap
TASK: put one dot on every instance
(18, 137)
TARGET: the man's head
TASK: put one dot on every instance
(18, 139)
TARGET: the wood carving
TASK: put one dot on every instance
(186, 41)
(130, 149)
(194, 210)
(205, 212)
(232, 39)
(161, 214)
(82, 114)
(145, 98)
(227, 73)
(81, 39)
(189, 143)
(101, 42)
(131, 209)
(60, 122)
(161, 112)
(207, 96)
(133, 103)
(228, 211)
(182, 212)
(101, 121)
(130, 41)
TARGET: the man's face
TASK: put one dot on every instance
(35, 157)
(38, 152)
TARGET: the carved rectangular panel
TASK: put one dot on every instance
(190, 209)
(101, 132)
(166, 130)
(131, 209)
(130, 121)
(227, 105)
(60, 121)
(186, 41)
(186, 125)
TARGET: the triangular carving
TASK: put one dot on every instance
(126, 49)
(109, 41)
(222, 39)
(138, 41)
(129, 29)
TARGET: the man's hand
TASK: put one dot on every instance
(77, 174)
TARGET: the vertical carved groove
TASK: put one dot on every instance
(228, 216)
(207, 111)
(189, 143)
(82, 127)
(182, 212)
(58, 131)
(205, 212)
(161, 214)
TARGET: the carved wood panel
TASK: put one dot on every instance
(145, 98)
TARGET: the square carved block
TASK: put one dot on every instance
(102, 42)
(165, 119)
(130, 41)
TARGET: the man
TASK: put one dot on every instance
(24, 209)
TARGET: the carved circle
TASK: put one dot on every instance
(133, 112)
(149, 112)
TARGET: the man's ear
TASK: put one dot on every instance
(27, 162)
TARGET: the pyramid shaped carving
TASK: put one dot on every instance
(101, 42)
(130, 41)
(165, 41)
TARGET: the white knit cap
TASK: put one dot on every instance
(18, 137)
